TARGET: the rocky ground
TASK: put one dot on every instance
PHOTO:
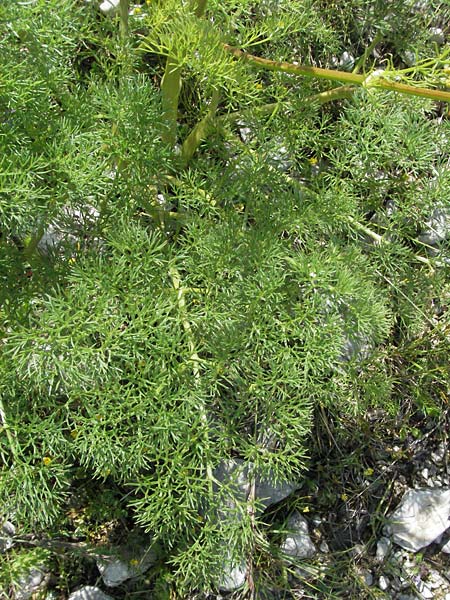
(367, 522)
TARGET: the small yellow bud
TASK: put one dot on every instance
(313, 160)
(344, 497)
(46, 460)
(368, 472)
(306, 509)
(137, 10)
(134, 562)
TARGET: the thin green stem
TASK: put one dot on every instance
(362, 59)
(379, 239)
(331, 75)
(340, 93)
(194, 357)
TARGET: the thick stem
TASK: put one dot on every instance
(170, 90)
(123, 14)
(200, 131)
(200, 7)
(331, 75)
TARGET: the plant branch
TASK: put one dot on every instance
(170, 90)
(200, 7)
(194, 357)
(343, 76)
(123, 13)
(200, 131)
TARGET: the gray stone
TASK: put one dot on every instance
(384, 546)
(115, 571)
(233, 577)
(129, 561)
(298, 544)
(30, 583)
(446, 548)
(421, 517)
(109, 7)
(66, 230)
(7, 533)
(437, 36)
(234, 475)
(437, 229)
(89, 592)
(383, 583)
(346, 61)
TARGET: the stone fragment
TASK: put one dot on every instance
(109, 7)
(233, 577)
(298, 544)
(384, 546)
(421, 517)
(383, 583)
(437, 36)
(115, 571)
(89, 592)
(30, 583)
(7, 533)
(437, 229)
(235, 475)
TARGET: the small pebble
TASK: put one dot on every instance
(383, 583)
(437, 36)
(384, 546)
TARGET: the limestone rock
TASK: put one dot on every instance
(7, 533)
(298, 544)
(235, 474)
(421, 517)
(233, 577)
(89, 592)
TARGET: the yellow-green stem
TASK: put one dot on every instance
(194, 357)
(200, 131)
(331, 75)
(200, 7)
(123, 14)
(170, 90)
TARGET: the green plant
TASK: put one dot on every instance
(174, 297)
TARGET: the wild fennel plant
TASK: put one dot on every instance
(201, 311)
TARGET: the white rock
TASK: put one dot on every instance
(437, 36)
(409, 58)
(298, 544)
(30, 583)
(89, 592)
(7, 533)
(383, 583)
(446, 548)
(233, 578)
(437, 228)
(234, 474)
(420, 518)
(346, 61)
(384, 546)
(115, 571)
(438, 455)
(426, 592)
(109, 7)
